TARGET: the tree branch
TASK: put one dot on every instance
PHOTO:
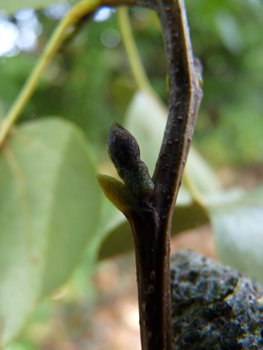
(185, 95)
(150, 216)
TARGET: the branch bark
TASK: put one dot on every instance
(150, 217)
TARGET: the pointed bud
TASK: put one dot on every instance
(125, 154)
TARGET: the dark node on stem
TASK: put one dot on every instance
(124, 152)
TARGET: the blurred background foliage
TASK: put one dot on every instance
(90, 83)
(92, 66)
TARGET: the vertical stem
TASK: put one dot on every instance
(184, 98)
(143, 224)
(185, 95)
(150, 219)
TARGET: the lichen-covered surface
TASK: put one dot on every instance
(213, 306)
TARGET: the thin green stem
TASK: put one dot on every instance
(132, 52)
(30, 85)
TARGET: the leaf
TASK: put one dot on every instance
(146, 119)
(201, 174)
(112, 220)
(49, 210)
(12, 6)
(238, 228)
(116, 192)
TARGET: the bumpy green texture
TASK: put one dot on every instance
(124, 152)
(213, 306)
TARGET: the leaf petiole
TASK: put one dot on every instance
(132, 51)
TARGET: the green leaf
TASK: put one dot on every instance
(112, 220)
(12, 6)
(201, 174)
(49, 210)
(238, 228)
(116, 192)
(146, 119)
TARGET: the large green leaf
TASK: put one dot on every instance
(49, 210)
(238, 228)
(201, 174)
(111, 220)
(12, 6)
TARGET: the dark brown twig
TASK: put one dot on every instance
(184, 99)
(150, 217)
